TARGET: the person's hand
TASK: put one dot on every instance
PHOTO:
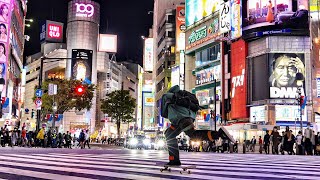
(298, 64)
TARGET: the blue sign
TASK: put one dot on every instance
(282, 31)
(39, 92)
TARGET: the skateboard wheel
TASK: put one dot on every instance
(161, 170)
(169, 170)
(189, 172)
(180, 172)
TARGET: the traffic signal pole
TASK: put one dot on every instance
(42, 59)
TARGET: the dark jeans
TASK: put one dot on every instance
(186, 125)
(86, 142)
(267, 148)
(308, 146)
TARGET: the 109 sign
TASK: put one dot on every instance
(84, 10)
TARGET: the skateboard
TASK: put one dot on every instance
(185, 168)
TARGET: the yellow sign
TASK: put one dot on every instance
(314, 5)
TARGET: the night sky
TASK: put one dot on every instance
(129, 19)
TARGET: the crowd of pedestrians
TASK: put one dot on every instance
(306, 143)
(49, 138)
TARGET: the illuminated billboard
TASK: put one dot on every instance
(280, 13)
(5, 21)
(197, 10)
(84, 10)
(258, 114)
(51, 31)
(236, 19)
(208, 75)
(289, 113)
(224, 16)
(282, 70)
(148, 55)
(180, 28)
(108, 43)
(175, 74)
(81, 64)
(238, 80)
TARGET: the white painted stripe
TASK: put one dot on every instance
(115, 166)
(75, 170)
(36, 174)
(209, 170)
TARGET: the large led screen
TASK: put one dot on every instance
(198, 9)
(282, 13)
(81, 64)
(283, 69)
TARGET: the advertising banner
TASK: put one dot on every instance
(282, 13)
(208, 75)
(225, 16)
(289, 113)
(236, 19)
(180, 28)
(258, 114)
(197, 10)
(84, 10)
(282, 70)
(51, 31)
(318, 87)
(81, 64)
(314, 5)
(148, 54)
(5, 21)
(108, 43)
(148, 99)
(175, 74)
(239, 80)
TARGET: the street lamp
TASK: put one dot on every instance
(299, 81)
(2, 83)
(54, 109)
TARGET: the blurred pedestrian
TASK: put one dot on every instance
(308, 133)
(40, 137)
(260, 144)
(275, 140)
(266, 140)
(87, 138)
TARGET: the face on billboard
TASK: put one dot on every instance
(208, 75)
(283, 13)
(283, 70)
(81, 64)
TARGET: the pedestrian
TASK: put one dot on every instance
(253, 144)
(181, 117)
(24, 136)
(14, 137)
(299, 148)
(54, 137)
(275, 140)
(260, 144)
(49, 137)
(40, 137)
(74, 139)
(87, 138)
(313, 142)
(308, 133)
(81, 139)
(288, 141)
(266, 140)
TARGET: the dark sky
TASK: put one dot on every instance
(128, 19)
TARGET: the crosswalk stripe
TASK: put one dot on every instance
(142, 165)
(199, 170)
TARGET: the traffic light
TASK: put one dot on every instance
(79, 90)
(301, 100)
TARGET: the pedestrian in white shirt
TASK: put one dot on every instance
(87, 137)
(299, 143)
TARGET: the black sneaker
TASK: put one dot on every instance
(174, 163)
(226, 134)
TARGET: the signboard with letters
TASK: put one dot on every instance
(51, 31)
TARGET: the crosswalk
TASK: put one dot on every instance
(142, 165)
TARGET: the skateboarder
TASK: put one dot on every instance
(182, 119)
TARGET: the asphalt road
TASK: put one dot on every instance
(112, 162)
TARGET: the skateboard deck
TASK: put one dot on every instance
(184, 168)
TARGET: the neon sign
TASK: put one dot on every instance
(84, 10)
(54, 31)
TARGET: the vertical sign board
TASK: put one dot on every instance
(238, 80)
(81, 64)
(6, 7)
(236, 19)
(148, 54)
(51, 31)
(225, 16)
(318, 87)
(180, 28)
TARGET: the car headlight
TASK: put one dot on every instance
(133, 141)
(160, 143)
(192, 143)
(146, 141)
(197, 143)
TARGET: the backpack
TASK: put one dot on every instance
(186, 99)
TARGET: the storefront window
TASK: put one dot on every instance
(208, 55)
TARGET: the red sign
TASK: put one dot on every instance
(238, 93)
(54, 31)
